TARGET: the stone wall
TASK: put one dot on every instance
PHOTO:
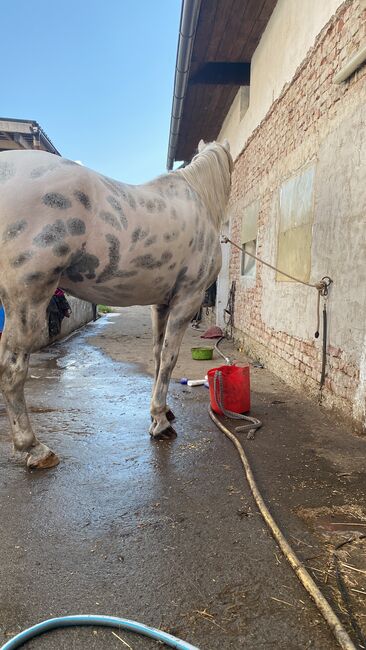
(319, 126)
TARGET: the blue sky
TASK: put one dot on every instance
(97, 75)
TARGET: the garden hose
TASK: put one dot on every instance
(95, 620)
(304, 576)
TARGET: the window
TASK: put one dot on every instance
(249, 229)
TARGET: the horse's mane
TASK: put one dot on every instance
(209, 174)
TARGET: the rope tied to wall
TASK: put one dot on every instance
(322, 288)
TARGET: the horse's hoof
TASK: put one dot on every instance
(46, 462)
(167, 434)
(170, 415)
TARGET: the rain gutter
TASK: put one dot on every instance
(187, 32)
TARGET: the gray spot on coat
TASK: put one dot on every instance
(200, 240)
(51, 234)
(171, 236)
(81, 264)
(14, 230)
(128, 197)
(56, 200)
(150, 240)
(58, 269)
(114, 256)
(111, 219)
(35, 277)
(180, 280)
(138, 234)
(118, 208)
(76, 226)
(115, 204)
(149, 262)
(37, 172)
(84, 199)
(21, 259)
(7, 171)
(110, 184)
(61, 250)
(155, 205)
(126, 274)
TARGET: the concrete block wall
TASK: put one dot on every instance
(82, 313)
(313, 121)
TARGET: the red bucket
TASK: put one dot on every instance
(235, 389)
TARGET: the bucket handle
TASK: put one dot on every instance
(218, 393)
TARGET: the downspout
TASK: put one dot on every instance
(351, 66)
(187, 32)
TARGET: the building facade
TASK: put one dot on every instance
(24, 134)
(297, 134)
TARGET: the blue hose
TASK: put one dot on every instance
(106, 621)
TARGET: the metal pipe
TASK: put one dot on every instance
(324, 350)
(187, 32)
(358, 59)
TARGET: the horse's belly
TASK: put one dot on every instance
(135, 291)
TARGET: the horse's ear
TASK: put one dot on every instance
(201, 145)
(226, 145)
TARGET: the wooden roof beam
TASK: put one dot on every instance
(223, 73)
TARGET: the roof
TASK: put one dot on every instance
(217, 39)
(24, 134)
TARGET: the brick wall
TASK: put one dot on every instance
(310, 108)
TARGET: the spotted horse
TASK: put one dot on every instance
(63, 225)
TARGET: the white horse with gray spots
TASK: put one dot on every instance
(64, 225)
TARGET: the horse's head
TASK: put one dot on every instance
(217, 147)
(209, 174)
(202, 145)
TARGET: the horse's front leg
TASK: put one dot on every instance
(179, 317)
(159, 318)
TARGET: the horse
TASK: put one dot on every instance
(104, 241)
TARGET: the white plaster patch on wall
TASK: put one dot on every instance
(296, 217)
(286, 306)
(359, 406)
(339, 242)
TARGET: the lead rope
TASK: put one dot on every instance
(322, 288)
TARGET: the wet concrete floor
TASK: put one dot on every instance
(165, 533)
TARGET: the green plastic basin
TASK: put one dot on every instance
(202, 354)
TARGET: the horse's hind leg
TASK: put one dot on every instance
(21, 335)
(178, 320)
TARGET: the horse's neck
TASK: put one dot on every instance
(209, 177)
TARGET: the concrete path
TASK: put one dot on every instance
(165, 533)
